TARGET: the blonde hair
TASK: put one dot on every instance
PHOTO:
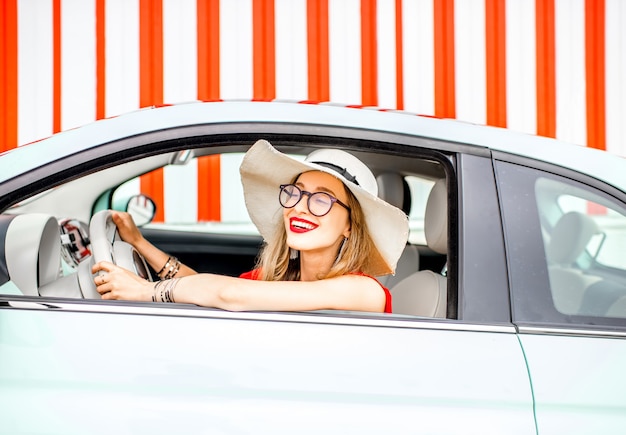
(353, 256)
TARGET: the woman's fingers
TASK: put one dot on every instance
(126, 227)
(106, 277)
(114, 282)
(103, 266)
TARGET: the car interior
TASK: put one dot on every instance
(48, 238)
(583, 241)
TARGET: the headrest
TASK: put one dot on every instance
(436, 218)
(570, 237)
(393, 188)
(33, 251)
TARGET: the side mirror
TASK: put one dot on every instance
(142, 209)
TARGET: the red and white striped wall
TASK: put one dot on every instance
(550, 67)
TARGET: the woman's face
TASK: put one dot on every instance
(317, 234)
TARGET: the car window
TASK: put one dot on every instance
(420, 189)
(182, 198)
(565, 242)
(606, 246)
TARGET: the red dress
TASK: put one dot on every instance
(254, 274)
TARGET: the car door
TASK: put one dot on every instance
(99, 367)
(566, 235)
(90, 366)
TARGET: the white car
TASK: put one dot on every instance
(509, 304)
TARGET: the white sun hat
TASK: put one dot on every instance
(264, 169)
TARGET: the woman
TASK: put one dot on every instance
(326, 233)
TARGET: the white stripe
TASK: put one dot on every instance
(180, 191)
(236, 49)
(180, 80)
(122, 56)
(233, 205)
(521, 66)
(615, 53)
(34, 81)
(386, 52)
(78, 63)
(570, 71)
(470, 67)
(180, 51)
(291, 49)
(418, 56)
(344, 28)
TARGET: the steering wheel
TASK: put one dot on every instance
(107, 245)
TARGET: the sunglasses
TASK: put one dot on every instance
(319, 203)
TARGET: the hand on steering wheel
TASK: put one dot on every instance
(107, 245)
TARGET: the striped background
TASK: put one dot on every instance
(551, 67)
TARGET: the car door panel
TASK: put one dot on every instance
(575, 357)
(578, 383)
(101, 372)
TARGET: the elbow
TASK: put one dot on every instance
(228, 298)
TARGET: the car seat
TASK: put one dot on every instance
(425, 293)
(32, 248)
(394, 189)
(568, 241)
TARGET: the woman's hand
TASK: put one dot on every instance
(119, 283)
(127, 228)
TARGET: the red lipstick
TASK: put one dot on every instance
(298, 225)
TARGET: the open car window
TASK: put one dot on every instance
(201, 217)
(183, 197)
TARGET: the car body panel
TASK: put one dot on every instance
(245, 372)
(594, 162)
(578, 382)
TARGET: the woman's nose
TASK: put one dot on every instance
(302, 205)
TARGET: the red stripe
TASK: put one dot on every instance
(56, 66)
(369, 54)
(209, 204)
(318, 54)
(150, 52)
(151, 85)
(100, 59)
(595, 70)
(596, 209)
(208, 12)
(495, 28)
(546, 79)
(8, 75)
(208, 25)
(399, 58)
(264, 62)
(445, 94)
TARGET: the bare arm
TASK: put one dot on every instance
(350, 292)
(153, 255)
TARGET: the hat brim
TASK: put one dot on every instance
(264, 168)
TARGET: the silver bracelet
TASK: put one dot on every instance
(164, 290)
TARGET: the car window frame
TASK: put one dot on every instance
(482, 274)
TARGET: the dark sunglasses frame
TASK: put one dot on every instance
(333, 200)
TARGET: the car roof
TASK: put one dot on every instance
(598, 164)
